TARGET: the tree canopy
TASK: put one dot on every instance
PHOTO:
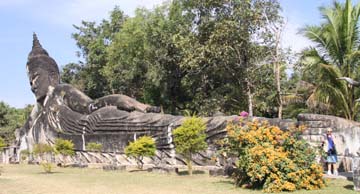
(12, 119)
(203, 57)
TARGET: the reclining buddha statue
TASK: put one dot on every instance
(63, 111)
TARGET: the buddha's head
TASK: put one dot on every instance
(42, 71)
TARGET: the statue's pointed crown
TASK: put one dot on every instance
(39, 58)
(37, 49)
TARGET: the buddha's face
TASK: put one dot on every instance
(40, 80)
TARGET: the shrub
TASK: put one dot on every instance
(64, 147)
(47, 166)
(144, 146)
(189, 138)
(95, 147)
(24, 154)
(43, 149)
(272, 159)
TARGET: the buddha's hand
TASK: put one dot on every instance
(92, 107)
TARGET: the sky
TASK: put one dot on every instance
(53, 23)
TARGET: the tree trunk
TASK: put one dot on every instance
(352, 103)
(278, 89)
(140, 162)
(188, 163)
(277, 73)
(250, 100)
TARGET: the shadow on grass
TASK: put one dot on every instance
(184, 173)
(349, 187)
(229, 182)
(48, 173)
(138, 170)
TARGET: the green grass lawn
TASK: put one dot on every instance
(22, 179)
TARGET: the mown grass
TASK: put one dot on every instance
(23, 179)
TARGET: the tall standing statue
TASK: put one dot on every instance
(62, 111)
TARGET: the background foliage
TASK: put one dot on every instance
(12, 119)
(203, 57)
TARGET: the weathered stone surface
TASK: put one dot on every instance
(316, 124)
(323, 121)
(314, 138)
(314, 131)
(346, 133)
(281, 123)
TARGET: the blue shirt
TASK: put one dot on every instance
(331, 144)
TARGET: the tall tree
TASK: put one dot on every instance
(225, 49)
(93, 40)
(12, 119)
(127, 63)
(144, 60)
(334, 55)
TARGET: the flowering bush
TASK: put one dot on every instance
(244, 114)
(272, 159)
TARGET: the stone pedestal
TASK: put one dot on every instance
(356, 173)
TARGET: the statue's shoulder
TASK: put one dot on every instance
(67, 89)
(72, 97)
(64, 87)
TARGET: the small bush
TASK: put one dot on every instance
(189, 138)
(24, 154)
(47, 166)
(95, 147)
(144, 146)
(272, 159)
(43, 149)
(45, 152)
(64, 147)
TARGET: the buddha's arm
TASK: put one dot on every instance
(124, 102)
(74, 98)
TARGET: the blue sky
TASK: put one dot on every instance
(53, 20)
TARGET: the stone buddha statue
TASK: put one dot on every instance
(62, 111)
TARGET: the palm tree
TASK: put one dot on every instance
(334, 55)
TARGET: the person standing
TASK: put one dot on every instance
(331, 153)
